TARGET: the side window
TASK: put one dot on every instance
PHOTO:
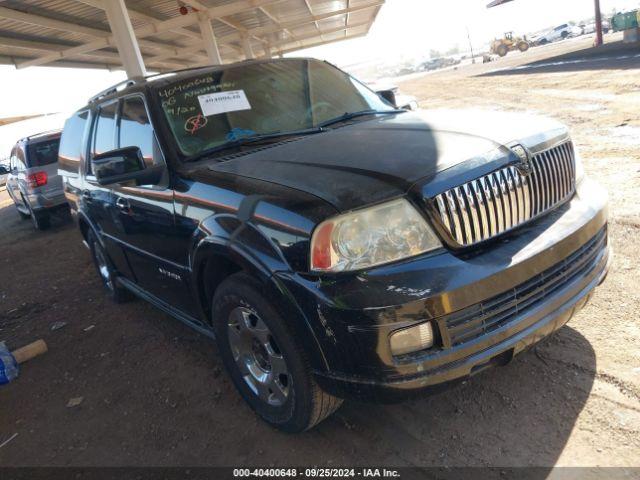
(72, 147)
(104, 139)
(104, 132)
(20, 160)
(12, 159)
(136, 130)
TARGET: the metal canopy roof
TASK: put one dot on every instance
(77, 33)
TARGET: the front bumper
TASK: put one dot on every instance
(486, 307)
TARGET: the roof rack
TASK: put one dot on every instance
(116, 88)
(40, 134)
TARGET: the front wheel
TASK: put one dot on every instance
(523, 46)
(266, 364)
(502, 50)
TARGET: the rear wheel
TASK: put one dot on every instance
(502, 50)
(106, 272)
(267, 366)
(40, 219)
(523, 46)
(23, 215)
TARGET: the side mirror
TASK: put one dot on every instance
(407, 102)
(388, 95)
(119, 166)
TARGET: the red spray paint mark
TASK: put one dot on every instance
(195, 123)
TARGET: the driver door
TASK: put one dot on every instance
(144, 224)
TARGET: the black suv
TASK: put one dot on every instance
(333, 245)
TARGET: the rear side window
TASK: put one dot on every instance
(71, 143)
(20, 161)
(12, 159)
(105, 129)
(43, 153)
(136, 130)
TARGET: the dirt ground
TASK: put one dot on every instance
(153, 392)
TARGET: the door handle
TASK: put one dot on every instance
(123, 204)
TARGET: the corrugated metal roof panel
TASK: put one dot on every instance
(287, 24)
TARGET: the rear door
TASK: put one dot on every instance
(42, 158)
(145, 226)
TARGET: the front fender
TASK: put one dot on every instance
(228, 239)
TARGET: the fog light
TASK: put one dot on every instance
(412, 339)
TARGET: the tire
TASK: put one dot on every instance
(544, 41)
(564, 35)
(255, 343)
(106, 272)
(40, 219)
(23, 216)
(502, 50)
(523, 46)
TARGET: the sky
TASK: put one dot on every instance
(410, 28)
(404, 28)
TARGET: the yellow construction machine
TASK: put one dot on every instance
(502, 46)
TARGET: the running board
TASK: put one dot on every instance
(165, 307)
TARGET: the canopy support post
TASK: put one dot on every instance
(125, 39)
(209, 39)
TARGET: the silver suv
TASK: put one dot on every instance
(33, 182)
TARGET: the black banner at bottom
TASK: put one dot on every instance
(397, 473)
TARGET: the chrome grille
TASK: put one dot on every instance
(500, 201)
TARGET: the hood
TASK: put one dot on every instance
(371, 161)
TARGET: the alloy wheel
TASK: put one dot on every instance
(258, 356)
(103, 267)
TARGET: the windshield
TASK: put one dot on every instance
(208, 110)
(43, 153)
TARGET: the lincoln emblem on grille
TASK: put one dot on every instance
(523, 153)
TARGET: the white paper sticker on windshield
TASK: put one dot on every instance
(223, 102)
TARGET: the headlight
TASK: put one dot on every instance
(580, 175)
(411, 339)
(370, 237)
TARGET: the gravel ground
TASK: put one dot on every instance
(153, 392)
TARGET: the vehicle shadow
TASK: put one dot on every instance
(513, 416)
(612, 56)
(14, 228)
(10, 219)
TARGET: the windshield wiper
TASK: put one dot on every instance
(349, 115)
(248, 140)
